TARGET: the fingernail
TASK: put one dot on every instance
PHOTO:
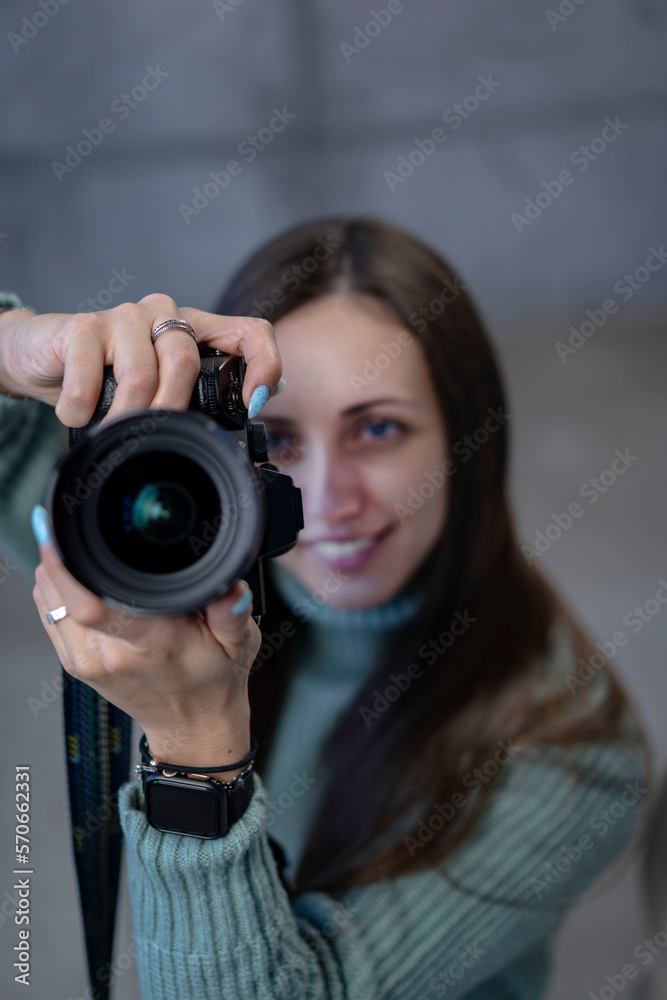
(243, 603)
(281, 386)
(257, 400)
(40, 525)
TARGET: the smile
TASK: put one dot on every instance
(349, 554)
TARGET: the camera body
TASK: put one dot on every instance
(160, 511)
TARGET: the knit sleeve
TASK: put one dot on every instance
(31, 441)
(213, 920)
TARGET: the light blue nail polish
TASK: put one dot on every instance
(257, 400)
(243, 603)
(282, 385)
(40, 525)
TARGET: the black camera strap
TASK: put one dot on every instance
(98, 736)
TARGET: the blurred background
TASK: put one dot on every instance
(546, 193)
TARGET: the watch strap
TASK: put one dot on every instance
(238, 792)
(161, 765)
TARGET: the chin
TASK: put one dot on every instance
(360, 594)
(344, 588)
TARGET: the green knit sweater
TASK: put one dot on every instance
(214, 920)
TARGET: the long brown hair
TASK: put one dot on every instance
(480, 690)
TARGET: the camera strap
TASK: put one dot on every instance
(97, 737)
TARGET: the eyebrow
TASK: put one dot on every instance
(351, 411)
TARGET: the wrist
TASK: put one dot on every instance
(8, 320)
(203, 749)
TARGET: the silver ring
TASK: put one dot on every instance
(56, 615)
(173, 324)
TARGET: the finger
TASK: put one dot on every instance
(135, 364)
(248, 336)
(179, 364)
(82, 380)
(43, 607)
(70, 639)
(82, 605)
(228, 618)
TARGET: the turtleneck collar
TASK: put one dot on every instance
(338, 647)
(393, 613)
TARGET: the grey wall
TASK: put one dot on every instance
(119, 209)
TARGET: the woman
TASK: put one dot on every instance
(443, 766)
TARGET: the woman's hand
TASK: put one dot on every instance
(59, 357)
(184, 679)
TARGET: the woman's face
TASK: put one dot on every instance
(356, 446)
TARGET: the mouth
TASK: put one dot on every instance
(349, 554)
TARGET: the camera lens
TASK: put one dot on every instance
(158, 510)
(152, 508)
(162, 512)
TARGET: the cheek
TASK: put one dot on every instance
(418, 472)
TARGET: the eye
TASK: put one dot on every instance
(274, 441)
(378, 429)
(283, 448)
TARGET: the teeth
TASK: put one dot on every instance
(333, 550)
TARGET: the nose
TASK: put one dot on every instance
(332, 486)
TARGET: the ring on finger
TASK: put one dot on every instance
(173, 324)
(56, 615)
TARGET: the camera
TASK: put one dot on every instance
(161, 511)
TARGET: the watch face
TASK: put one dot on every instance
(185, 805)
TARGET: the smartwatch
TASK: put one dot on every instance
(186, 800)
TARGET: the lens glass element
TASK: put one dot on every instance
(164, 513)
(158, 512)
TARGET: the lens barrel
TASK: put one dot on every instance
(159, 511)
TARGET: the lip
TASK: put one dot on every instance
(358, 558)
(345, 538)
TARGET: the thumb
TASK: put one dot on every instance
(228, 618)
